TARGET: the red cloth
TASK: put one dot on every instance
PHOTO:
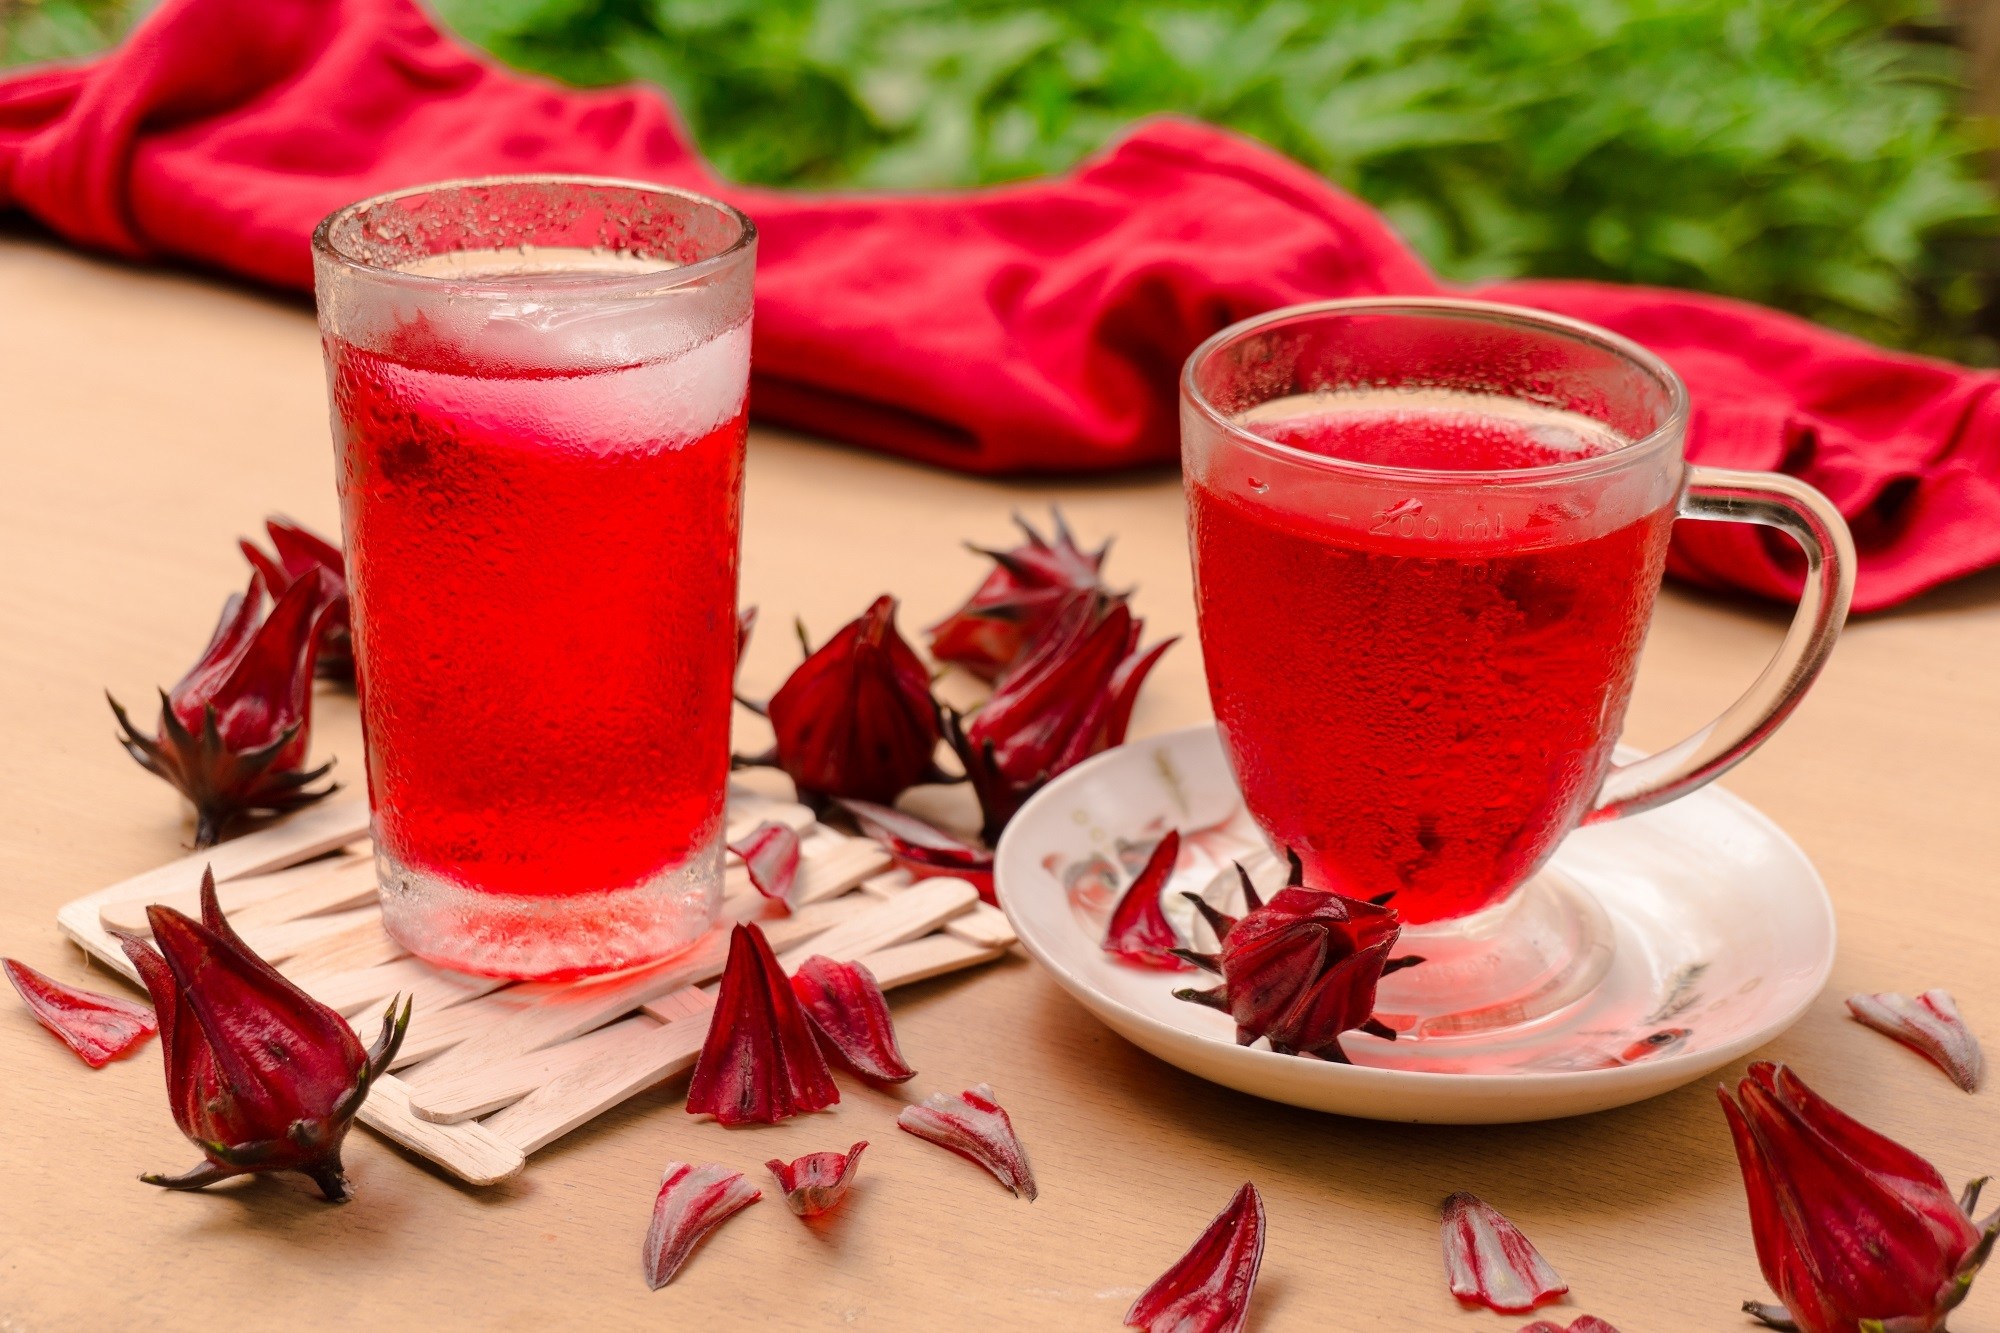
(1034, 327)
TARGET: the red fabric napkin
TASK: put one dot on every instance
(1034, 327)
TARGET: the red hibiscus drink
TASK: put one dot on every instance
(538, 392)
(1427, 540)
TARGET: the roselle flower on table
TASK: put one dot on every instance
(693, 1201)
(857, 718)
(1208, 1288)
(846, 1007)
(1487, 1261)
(297, 551)
(260, 1076)
(99, 1028)
(1854, 1232)
(232, 735)
(1029, 589)
(816, 1183)
(1931, 1025)
(976, 1127)
(1299, 970)
(1068, 699)
(1583, 1323)
(760, 1061)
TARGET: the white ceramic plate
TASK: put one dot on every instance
(1723, 933)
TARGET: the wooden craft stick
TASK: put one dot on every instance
(435, 1031)
(645, 1057)
(570, 1011)
(681, 1004)
(745, 816)
(235, 895)
(984, 925)
(918, 910)
(363, 944)
(469, 1151)
(283, 940)
(509, 1080)
(311, 832)
(428, 988)
(347, 886)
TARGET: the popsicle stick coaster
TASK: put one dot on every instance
(492, 1072)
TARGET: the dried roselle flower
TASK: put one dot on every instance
(99, 1028)
(233, 733)
(857, 718)
(693, 1201)
(1139, 932)
(1583, 1323)
(260, 1076)
(299, 552)
(1929, 1025)
(1028, 590)
(1068, 699)
(1299, 970)
(1488, 1262)
(974, 1126)
(1854, 1231)
(924, 849)
(771, 855)
(817, 1182)
(1208, 1288)
(851, 1015)
(760, 1062)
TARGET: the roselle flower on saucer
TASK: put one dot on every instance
(1069, 699)
(232, 735)
(1027, 592)
(260, 1076)
(816, 1183)
(1299, 970)
(1208, 1288)
(297, 551)
(857, 717)
(760, 1062)
(1139, 932)
(1856, 1233)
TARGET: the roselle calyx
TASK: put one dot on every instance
(1299, 970)
(760, 1062)
(1930, 1025)
(816, 1183)
(974, 1126)
(260, 1076)
(297, 551)
(233, 734)
(924, 849)
(1028, 590)
(1583, 1323)
(99, 1028)
(1487, 1261)
(857, 718)
(1068, 699)
(693, 1201)
(1208, 1288)
(1854, 1232)
(851, 1016)
(771, 857)
(1139, 932)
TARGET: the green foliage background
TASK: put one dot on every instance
(1805, 153)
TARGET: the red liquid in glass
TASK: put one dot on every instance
(1413, 712)
(545, 608)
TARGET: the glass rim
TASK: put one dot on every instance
(591, 286)
(1672, 427)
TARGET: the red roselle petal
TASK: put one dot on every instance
(1139, 932)
(760, 1062)
(1584, 1323)
(851, 1015)
(1208, 1288)
(973, 1126)
(99, 1028)
(693, 1201)
(924, 849)
(1015, 605)
(1929, 1025)
(817, 1182)
(771, 855)
(1489, 1262)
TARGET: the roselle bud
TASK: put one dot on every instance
(857, 717)
(1854, 1231)
(260, 1076)
(1069, 699)
(298, 552)
(232, 735)
(760, 1062)
(1027, 592)
(1299, 970)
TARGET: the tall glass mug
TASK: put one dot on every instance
(538, 389)
(1427, 538)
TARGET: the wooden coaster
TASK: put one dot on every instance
(492, 1071)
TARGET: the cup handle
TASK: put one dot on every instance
(1777, 501)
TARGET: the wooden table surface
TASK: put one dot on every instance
(150, 418)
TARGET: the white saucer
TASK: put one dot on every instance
(1724, 935)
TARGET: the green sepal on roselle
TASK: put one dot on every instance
(260, 1076)
(233, 733)
(1299, 970)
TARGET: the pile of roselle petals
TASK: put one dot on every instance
(232, 735)
(857, 723)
